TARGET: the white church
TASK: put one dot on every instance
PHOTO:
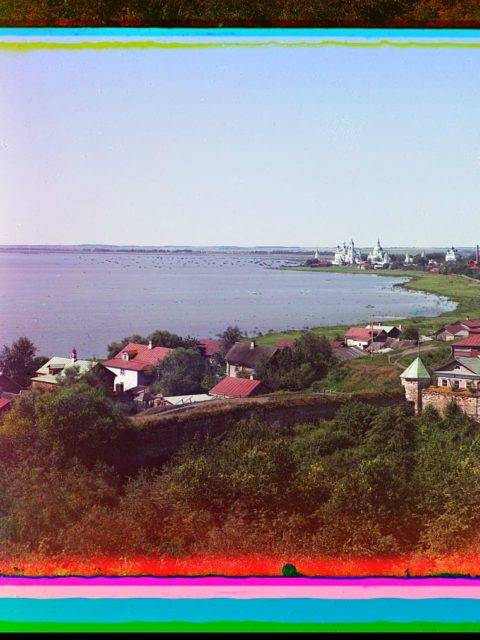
(378, 257)
(347, 254)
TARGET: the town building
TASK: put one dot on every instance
(49, 374)
(459, 329)
(378, 257)
(347, 255)
(5, 404)
(457, 381)
(286, 342)
(468, 347)
(474, 265)
(238, 388)
(452, 255)
(408, 259)
(243, 357)
(364, 337)
(414, 379)
(7, 385)
(133, 366)
(209, 348)
(392, 331)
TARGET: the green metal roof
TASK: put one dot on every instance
(416, 371)
(471, 363)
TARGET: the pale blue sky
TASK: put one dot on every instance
(245, 146)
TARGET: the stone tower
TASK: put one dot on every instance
(414, 379)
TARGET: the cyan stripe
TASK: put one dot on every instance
(122, 32)
(268, 610)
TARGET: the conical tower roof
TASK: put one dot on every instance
(416, 371)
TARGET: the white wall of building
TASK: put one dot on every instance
(129, 379)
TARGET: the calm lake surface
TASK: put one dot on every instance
(88, 300)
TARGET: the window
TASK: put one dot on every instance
(455, 384)
(444, 382)
(122, 372)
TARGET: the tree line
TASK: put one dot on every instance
(321, 13)
(368, 482)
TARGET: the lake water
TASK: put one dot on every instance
(88, 300)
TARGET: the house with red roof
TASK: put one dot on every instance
(5, 403)
(363, 337)
(209, 348)
(286, 342)
(133, 365)
(238, 388)
(468, 347)
(459, 329)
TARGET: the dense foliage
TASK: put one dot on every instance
(184, 371)
(298, 367)
(19, 362)
(370, 481)
(241, 12)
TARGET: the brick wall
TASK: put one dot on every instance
(438, 399)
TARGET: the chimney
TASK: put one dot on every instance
(252, 343)
(150, 344)
(73, 355)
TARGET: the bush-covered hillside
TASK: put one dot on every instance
(369, 482)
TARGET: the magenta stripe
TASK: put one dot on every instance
(238, 582)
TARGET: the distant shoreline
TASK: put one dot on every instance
(463, 291)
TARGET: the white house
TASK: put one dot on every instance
(133, 365)
(49, 374)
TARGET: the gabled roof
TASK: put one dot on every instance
(5, 403)
(454, 328)
(236, 387)
(141, 357)
(359, 333)
(471, 341)
(416, 371)
(211, 347)
(244, 355)
(285, 342)
(60, 364)
(470, 363)
(9, 385)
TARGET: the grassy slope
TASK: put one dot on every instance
(465, 292)
(381, 372)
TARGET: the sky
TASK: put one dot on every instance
(240, 146)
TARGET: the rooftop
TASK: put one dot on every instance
(235, 387)
(211, 347)
(416, 371)
(471, 341)
(243, 354)
(140, 357)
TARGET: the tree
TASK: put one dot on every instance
(297, 367)
(162, 338)
(411, 333)
(18, 361)
(181, 372)
(228, 338)
(159, 338)
(72, 421)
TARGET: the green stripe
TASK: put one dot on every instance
(225, 626)
(23, 47)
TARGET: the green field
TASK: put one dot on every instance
(465, 292)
